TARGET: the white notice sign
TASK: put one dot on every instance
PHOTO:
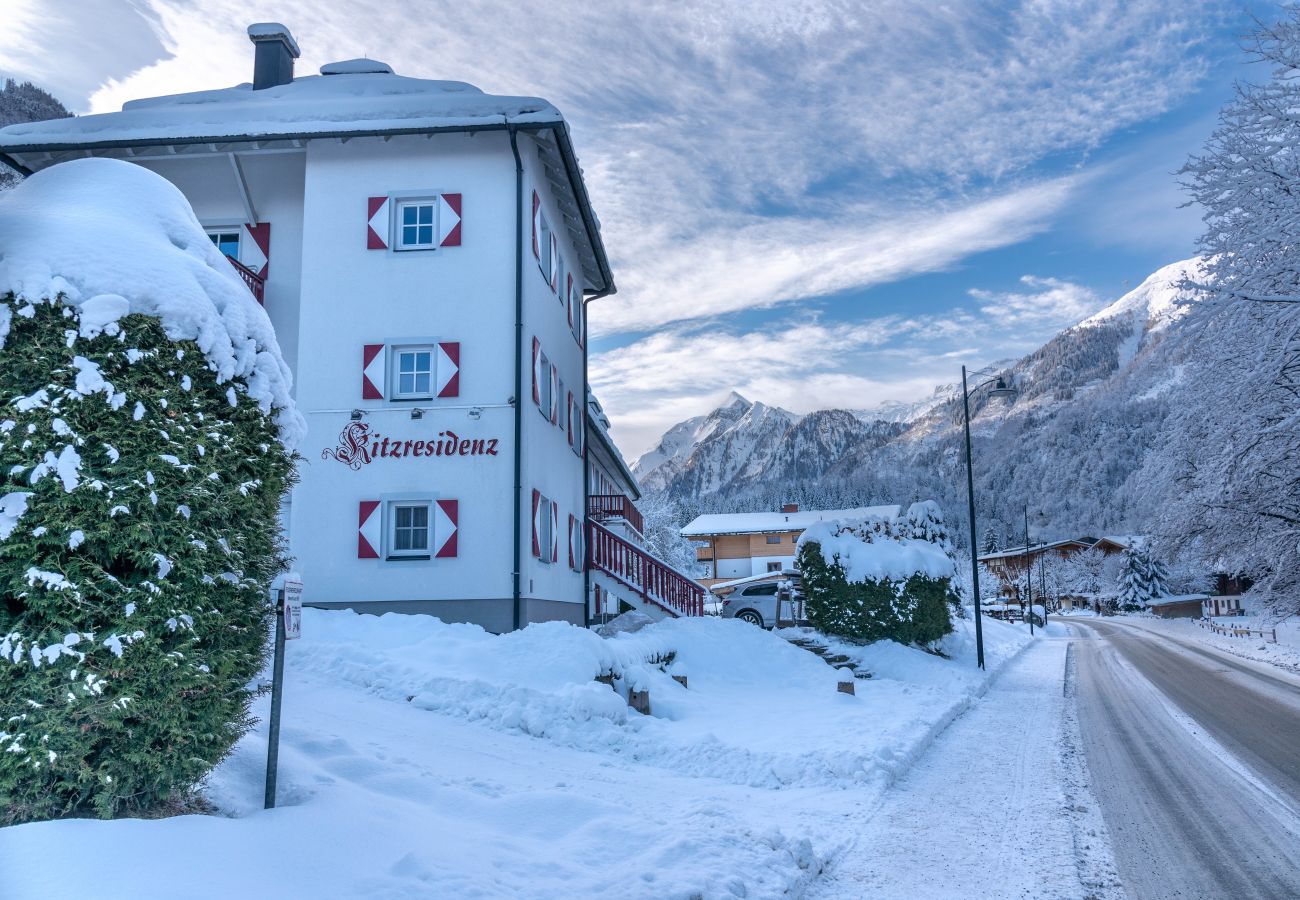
(292, 610)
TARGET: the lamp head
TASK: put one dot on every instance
(1001, 389)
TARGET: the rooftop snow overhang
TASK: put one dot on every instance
(28, 156)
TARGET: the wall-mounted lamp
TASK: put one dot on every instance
(475, 412)
(356, 415)
(417, 413)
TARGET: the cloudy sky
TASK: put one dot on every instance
(815, 203)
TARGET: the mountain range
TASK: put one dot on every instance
(1073, 445)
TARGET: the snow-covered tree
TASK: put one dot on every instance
(989, 543)
(25, 102)
(142, 461)
(1237, 457)
(1142, 580)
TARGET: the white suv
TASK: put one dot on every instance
(756, 604)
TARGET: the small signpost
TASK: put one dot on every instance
(288, 626)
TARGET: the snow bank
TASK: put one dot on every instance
(115, 238)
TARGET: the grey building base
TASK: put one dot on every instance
(493, 614)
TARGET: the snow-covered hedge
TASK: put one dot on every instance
(145, 432)
(880, 578)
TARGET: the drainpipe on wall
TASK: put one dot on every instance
(516, 539)
(586, 467)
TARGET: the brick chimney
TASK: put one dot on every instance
(276, 51)
(790, 508)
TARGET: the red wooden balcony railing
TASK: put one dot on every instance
(602, 507)
(652, 579)
(256, 283)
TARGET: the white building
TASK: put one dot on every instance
(425, 252)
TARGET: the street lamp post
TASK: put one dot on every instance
(1000, 390)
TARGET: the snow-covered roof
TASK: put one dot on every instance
(761, 522)
(114, 238)
(345, 101)
(1035, 548)
(351, 98)
(1177, 598)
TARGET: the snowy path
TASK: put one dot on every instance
(1194, 760)
(985, 813)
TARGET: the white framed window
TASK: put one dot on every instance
(226, 240)
(412, 372)
(545, 258)
(417, 224)
(409, 529)
(575, 313)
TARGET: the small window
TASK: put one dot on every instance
(774, 567)
(544, 245)
(409, 530)
(761, 590)
(227, 242)
(545, 537)
(412, 373)
(774, 538)
(545, 397)
(415, 225)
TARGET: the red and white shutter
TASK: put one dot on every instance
(537, 372)
(537, 527)
(449, 220)
(369, 529)
(569, 417)
(446, 527)
(555, 395)
(372, 372)
(537, 226)
(568, 293)
(377, 223)
(555, 531)
(255, 247)
(555, 262)
(448, 370)
(579, 432)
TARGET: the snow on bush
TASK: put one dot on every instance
(880, 577)
(145, 432)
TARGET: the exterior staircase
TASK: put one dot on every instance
(622, 570)
(812, 642)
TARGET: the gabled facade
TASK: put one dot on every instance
(425, 252)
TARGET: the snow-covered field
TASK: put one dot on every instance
(425, 759)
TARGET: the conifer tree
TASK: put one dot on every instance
(138, 534)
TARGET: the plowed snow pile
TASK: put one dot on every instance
(427, 759)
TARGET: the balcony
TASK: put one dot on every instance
(256, 283)
(604, 507)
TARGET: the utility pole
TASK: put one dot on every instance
(1029, 575)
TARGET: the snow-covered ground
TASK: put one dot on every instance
(1284, 653)
(425, 759)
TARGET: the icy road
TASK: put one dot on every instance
(1195, 759)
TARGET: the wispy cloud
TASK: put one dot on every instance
(757, 153)
(805, 364)
(1049, 303)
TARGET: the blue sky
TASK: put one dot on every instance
(816, 203)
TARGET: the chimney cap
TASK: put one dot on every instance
(274, 31)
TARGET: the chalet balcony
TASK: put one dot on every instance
(256, 283)
(605, 507)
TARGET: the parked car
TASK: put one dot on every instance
(757, 604)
